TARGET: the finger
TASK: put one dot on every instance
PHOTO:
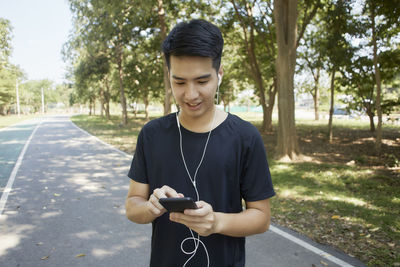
(203, 209)
(155, 202)
(169, 192)
(159, 193)
(154, 209)
(185, 219)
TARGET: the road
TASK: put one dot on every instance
(65, 206)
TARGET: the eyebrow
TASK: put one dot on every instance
(205, 76)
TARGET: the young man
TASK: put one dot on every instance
(200, 152)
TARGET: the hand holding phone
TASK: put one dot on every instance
(178, 204)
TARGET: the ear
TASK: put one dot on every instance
(169, 78)
(220, 75)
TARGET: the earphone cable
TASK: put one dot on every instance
(196, 240)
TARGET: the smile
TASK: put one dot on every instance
(193, 106)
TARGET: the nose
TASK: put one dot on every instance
(191, 92)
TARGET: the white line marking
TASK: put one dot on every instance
(10, 182)
(309, 247)
(101, 141)
(272, 228)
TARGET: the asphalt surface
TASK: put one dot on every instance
(66, 207)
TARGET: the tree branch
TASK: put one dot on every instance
(307, 20)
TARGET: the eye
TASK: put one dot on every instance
(179, 83)
(203, 82)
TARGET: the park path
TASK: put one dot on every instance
(12, 140)
(66, 208)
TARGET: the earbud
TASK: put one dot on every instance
(219, 83)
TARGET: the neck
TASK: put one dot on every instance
(198, 124)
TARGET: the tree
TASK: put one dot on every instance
(256, 41)
(108, 26)
(163, 35)
(312, 57)
(91, 80)
(7, 90)
(146, 75)
(285, 13)
(358, 82)
(31, 94)
(339, 53)
(5, 42)
(8, 72)
(384, 21)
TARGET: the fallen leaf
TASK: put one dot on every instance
(335, 217)
(80, 255)
(39, 244)
(45, 258)
(57, 195)
(324, 263)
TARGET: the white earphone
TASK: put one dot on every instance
(219, 83)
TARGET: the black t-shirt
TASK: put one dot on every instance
(234, 167)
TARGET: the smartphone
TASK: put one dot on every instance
(178, 204)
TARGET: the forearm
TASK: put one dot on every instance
(245, 223)
(137, 210)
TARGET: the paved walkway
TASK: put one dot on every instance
(12, 140)
(66, 207)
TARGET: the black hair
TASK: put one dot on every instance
(194, 38)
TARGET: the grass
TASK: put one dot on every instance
(9, 120)
(349, 207)
(345, 196)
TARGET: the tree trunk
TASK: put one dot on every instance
(167, 85)
(371, 115)
(271, 102)
(101, 101)
(255, 69)
(378, 141)
(146, 106)
(107, 98)
(90, 106)
(330, 129)
(121, 85)
(316, 95)
(135, 109)
(285, 13)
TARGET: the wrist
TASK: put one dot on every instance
(218, 225)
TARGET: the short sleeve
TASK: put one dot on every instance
(138, 170)
(256, 181)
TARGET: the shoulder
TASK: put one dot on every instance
(242, 127)
(159, 125)
(243, 131)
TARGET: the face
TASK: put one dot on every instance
(194, 83)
